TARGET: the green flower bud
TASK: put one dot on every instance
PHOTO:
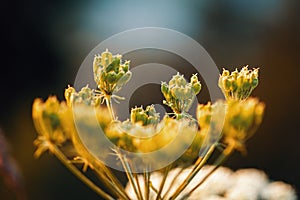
(123, 79)
(240, 80)
(165, 89)
(113, 66)
(111, 77)
(225, 72)
(226, 84)
(196, 87)
(106, 58)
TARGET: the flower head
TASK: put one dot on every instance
(241, 121)
(110, 73)
(51, 120)
(238, 85)
(179, 93)
(144, 116)
(86, 96)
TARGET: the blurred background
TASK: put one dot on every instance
(44, 42)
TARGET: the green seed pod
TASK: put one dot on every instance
(254, 82)
(113, 66)
(172, 82)
(225, 72)
(125, 66)
(164, 89)
(226, 84)
(180, 81)
(194, 79)
(146, 117)
(85, 93)
(68, 95)
(196, 87)
(247, 84)
(106, 58)
(124, 79)
(111, 77)
(233, 86)
(240, 80)
(234, 74)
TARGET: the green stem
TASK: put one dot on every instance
(78, 173)
(193, 173)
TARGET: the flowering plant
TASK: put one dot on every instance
(220, 128)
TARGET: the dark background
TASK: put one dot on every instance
(44, 42)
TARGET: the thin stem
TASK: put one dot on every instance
(163, 181)
(154, 189)
(172, 183)
(147, 184)
(138, 185)
(114, 188)
(222, 158)
(193, 173)
(130, 175)
(105, 174)
(109, 106)
(78, 173)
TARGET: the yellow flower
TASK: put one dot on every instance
(49, 118)
(238, 85)
(180, 94)
(241, 121)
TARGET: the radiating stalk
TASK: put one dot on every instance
(130, 175)
(147, 183)
(193, 173)
(173, 182)
(221, 159)
(79, 174)
(163, 181)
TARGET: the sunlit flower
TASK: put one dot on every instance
(49, 119)
(179, 93)
(241, 121)
(110, 73)
(238, 85)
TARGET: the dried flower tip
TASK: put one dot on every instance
(180, 94)
(145, 117)
(238, 85)
(109, 72)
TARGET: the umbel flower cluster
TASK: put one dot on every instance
(220, 128)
